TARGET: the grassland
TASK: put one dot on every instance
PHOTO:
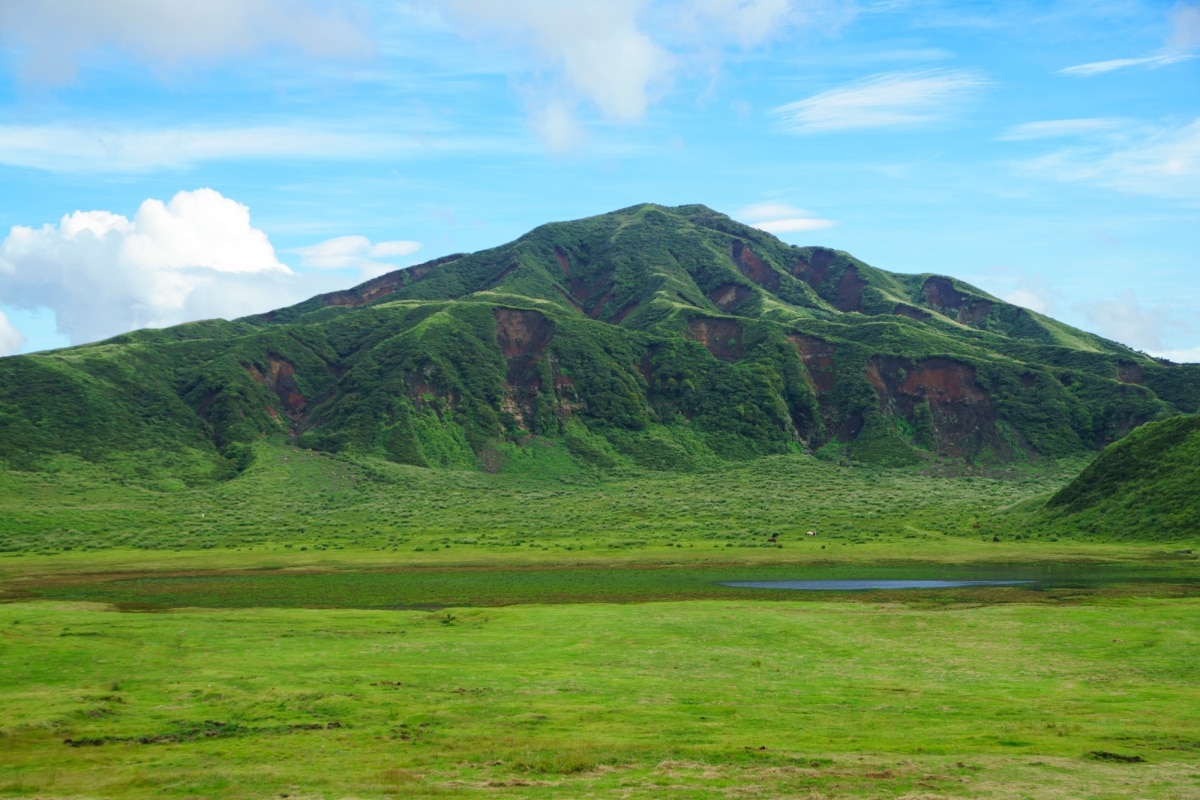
(330, 627)
(542, 501)
(694, 699)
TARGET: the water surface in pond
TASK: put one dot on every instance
(850, 585)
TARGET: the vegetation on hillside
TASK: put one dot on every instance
(662, 338)
(1146, 486)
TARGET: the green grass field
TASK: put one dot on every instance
(692, 699)
(295, 498)
(329, 628)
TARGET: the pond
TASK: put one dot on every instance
(843, 578)
(854, 585)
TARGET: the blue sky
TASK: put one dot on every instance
(169, 161)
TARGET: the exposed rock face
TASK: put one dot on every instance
(815, 269)
(522, 333)
(752, 266)
(376, 288)
(368, 292)
(848, 295)
(940, 293)
(845, 294)
(722, 337)
(281, 379)
(522, 336)
(590, 295)
(912, 312)
(817, 356)
(1128, 372)
(728, 295)
(961, 414)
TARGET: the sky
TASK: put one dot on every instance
(162, 162)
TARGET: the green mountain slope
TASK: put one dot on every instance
(665, 337)
(1142, 487)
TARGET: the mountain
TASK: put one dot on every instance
(1142, 487)
(665, 337)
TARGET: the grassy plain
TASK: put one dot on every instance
(333, 628)
(542, 501)
(693, 699)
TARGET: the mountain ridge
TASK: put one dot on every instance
(665, 337)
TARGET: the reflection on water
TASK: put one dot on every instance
(848, 585)
(858, 577)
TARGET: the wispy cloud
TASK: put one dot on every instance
(890, 100)
(1058, 128)
(1158, 160)
(51, 36)
(782, 218)
(1182, 44)
(1148, 62)
(82, 148)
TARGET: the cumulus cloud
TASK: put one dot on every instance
(11, 339)
(195, 257)
(50, 37)
(779, 218)
(896, 99)
(357, 253)
(1160, 160)
(1126, 320)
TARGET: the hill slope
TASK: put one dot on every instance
(1142, 487)
(666, 337)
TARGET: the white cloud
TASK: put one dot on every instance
(355, 252)
(1057, 128)
(597, 45)
(51, 37)
(557, 126)
(620, 56)
(1126, 320)
(11, 339)
(1182, 42)
(747, 22)
(1155, 160)
(897, 99)
(1185, 26)
(1017, 286)
(1179, 356)
(782, 218)
(1027, 298)
(196, 257)
(1149, 62)
(83, 148)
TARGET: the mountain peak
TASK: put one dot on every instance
(670, 337)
